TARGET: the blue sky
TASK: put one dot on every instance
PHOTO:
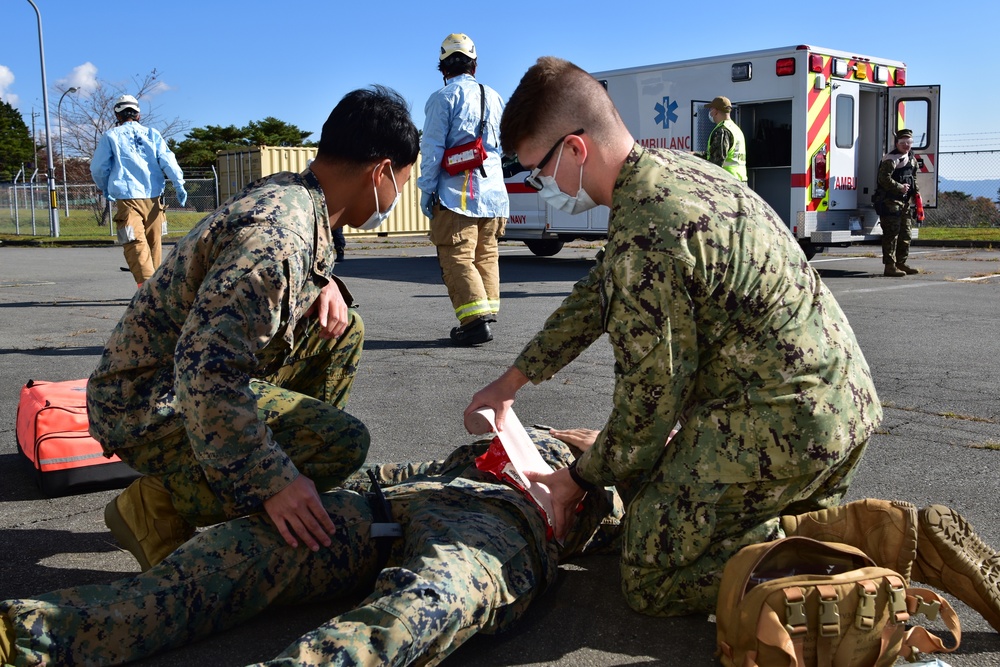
(224, 62)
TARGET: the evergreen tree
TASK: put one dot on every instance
(15, 142)
(199, 147)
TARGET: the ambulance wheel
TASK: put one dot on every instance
(810, 250)
(544, 247)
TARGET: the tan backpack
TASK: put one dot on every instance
(797, 602)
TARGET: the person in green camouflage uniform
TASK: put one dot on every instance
(897, 182)
(472, 558)
(226, 379)
(717, 321)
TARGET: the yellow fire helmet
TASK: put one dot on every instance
(457, 42)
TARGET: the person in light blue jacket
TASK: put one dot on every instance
(468, 209)
(128, 166)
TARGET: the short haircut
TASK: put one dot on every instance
(368, 125)
(554, 98)
(455, 64)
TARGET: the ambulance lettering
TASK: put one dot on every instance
(676, 143)
(845, 183)
(518, 219)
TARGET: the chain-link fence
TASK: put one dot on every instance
(83, 211)
(968, 196)
(968, 190)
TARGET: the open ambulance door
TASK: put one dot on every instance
(918, 108)
(842, 161)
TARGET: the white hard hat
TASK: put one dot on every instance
(457, 42)
(126, 102)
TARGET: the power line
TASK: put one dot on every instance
(970, 134)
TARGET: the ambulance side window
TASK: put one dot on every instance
(914, 115)
(845, 121)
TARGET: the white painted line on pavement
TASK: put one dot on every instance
(972, 280)
(887, 288)
(876, 255)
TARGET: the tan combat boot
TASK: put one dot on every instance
(886, 530)
(950, 556)
(7, 638)
(901, 266)
(893, 272)
(143, 520)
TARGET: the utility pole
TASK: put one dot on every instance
(51, 171)
(34, 137)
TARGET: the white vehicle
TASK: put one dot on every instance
(816, 122)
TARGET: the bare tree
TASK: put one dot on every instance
(85, 117)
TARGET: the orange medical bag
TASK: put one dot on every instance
(53, 436)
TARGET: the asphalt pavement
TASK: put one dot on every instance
(930, 339)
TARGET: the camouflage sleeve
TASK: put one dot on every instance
(239, 309)
(651, 325)
(568, 331)
(886, 181)
(719, 145)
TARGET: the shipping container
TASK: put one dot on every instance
(237, 169)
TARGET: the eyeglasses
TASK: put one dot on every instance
(532, 180)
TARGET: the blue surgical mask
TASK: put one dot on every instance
(378, 217)
(557, 199)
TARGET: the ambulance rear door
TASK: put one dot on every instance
(918, 108)
(842, 161)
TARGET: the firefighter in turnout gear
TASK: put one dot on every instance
(468, 209)
(897, 180)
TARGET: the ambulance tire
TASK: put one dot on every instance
(810, 250)
(544, 247)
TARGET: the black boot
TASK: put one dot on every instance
(476, 332)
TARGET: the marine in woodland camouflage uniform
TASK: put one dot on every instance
(897, 180)
(224, 382)
(718, 322)
(473, 556)
(215, 380)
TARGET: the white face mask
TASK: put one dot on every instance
(557, 199)
(378, 217)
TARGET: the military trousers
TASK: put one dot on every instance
(467, 250)
(140, 229)
(460, 562)
(680, 532)
(303, 405)
(896, 233)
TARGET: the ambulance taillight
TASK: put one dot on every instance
(784, 66)
(819, 173)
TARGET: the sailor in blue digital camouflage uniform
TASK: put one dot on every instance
(225, 381)
(472, 556)
(716, 320)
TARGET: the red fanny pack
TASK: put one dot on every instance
(464, 157)
(472, 154)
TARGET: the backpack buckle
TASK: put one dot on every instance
(795, 611)
(897, 600)
(829, 617)
(865, 619)
(928, 609)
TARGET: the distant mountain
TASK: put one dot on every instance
(983, 188)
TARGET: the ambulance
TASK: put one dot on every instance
(816, 122)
